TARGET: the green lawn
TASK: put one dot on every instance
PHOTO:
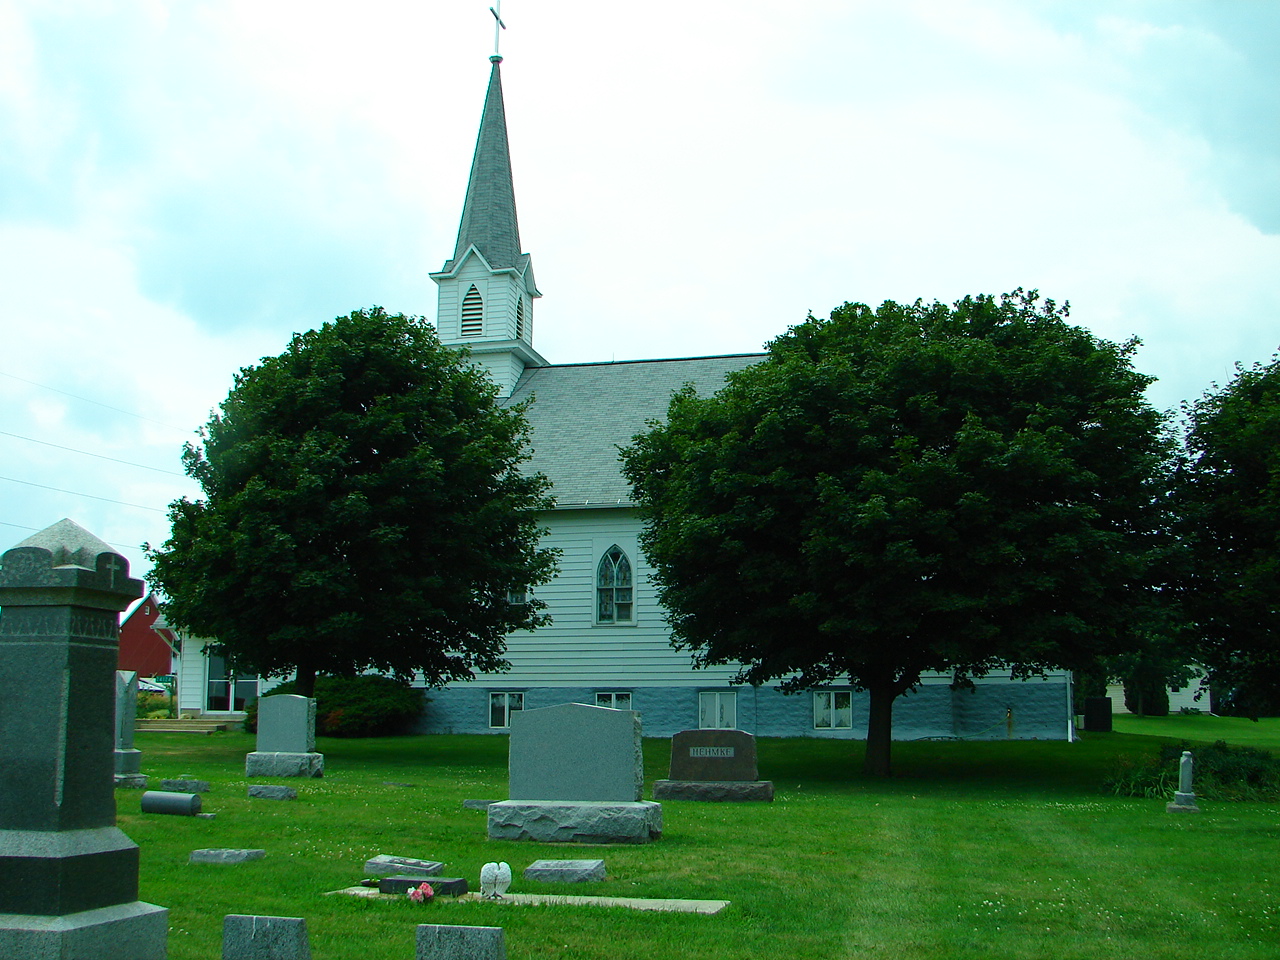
(979, 850)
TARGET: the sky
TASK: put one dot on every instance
(185, 184)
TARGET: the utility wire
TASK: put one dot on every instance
(90, 496)
(110, 543)
(86, 453)
(128, 413)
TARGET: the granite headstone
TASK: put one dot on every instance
(264, 938)
(713, 765)
(128, 759)
(61, 593)
(576, 777)
(437, 941)
(286, 745)
(574, 751)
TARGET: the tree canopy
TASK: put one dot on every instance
(1229, 502)
(364, 508)
(908, 489)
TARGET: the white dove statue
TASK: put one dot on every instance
(488, 880)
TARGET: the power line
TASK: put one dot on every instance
(90, 496)
(86, 453)
(110, 543)
(127, 413)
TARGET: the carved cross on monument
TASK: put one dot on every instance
(115, 566)
(498, 26)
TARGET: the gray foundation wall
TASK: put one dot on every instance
(1031, 710)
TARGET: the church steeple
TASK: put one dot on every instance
(487, 288)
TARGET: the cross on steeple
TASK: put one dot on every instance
(498, 27)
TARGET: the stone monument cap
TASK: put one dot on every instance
(39, 571)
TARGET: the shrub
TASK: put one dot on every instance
(364, 706)
(154, 706)
(1222, 772)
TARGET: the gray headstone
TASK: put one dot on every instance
(128, 760)
(272, 791)
(713, 755)
(1184, 798)
(384, 865)
(162, 801)
(565, 871)
(61, 593)
(437, 941)
(264, 938)
(286, 724)
(574, 751)
(225, 855)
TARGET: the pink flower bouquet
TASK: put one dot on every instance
(421, 893)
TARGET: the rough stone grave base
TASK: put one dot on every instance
(131, 781)
(128, 931)
(271, 791)
(438, 941)
(1182, 803)
(564, 821)
(258, 764)
(713, 791)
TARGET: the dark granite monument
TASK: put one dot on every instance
(713, 765)
(68, 875)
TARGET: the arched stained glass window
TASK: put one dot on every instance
(613, 587)
(472, 313)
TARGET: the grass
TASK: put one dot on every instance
(972, 850)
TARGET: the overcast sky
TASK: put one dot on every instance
(185, 184)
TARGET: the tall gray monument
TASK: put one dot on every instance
(68, 875)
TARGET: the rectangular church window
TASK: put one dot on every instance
(501, 706)
(832, 710)
(718, 710)
(618, 701)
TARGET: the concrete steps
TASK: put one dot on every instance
(201, 725)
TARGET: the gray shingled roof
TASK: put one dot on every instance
(489, 212)
(581, 414)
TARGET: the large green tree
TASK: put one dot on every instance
(1229, 501)
(913, 488)
(364, 508)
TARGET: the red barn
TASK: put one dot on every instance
(142, 648)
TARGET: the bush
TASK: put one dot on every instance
(1222, 772)
(154, 706)
(365, 706)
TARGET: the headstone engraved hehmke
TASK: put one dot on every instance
(286, 739)
(68, 875)
(714, 765)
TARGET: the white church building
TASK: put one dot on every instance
(608, 642)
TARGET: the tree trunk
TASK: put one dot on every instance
(304, 681)
(879, 730)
